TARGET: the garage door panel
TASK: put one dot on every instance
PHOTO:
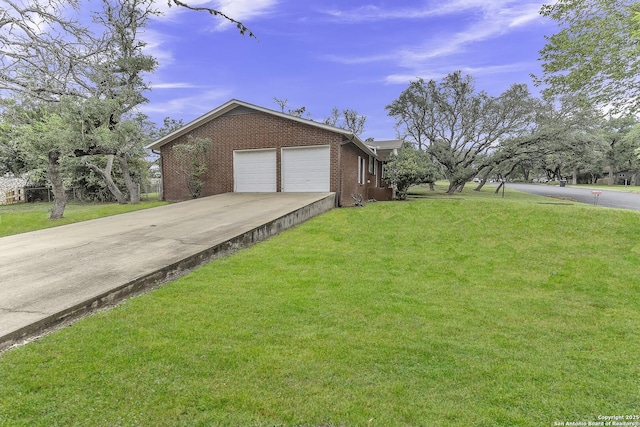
(306, 169)
(254, 171)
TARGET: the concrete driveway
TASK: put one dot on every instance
(607, 198)
(51, 276)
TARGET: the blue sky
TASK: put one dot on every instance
(322, 54)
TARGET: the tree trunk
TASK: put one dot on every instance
(132, 187)
(108, 179)
(432, 186)
(611, 178)
(575, 176)
(453, 186)
(55, 178)
(483, 180)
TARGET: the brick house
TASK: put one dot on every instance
(255, 149)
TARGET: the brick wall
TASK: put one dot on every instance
(241, 132)
(372, 188)
(243, 129)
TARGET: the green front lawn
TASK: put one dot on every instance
(617, 187)
(468, 310)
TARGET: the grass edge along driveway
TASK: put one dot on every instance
(25, 217)
(441, 312)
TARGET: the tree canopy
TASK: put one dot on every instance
(596, 53)
(85, 80)
(409, 167)
(457, 124)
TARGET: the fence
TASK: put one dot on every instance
(148, 191)
(14, 196)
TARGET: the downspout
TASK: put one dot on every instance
(161, 195)
(343, 143)
(339, 195)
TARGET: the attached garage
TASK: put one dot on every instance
(254, 171)
(256, 149)
(306, 169)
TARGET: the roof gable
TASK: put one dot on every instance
(235, 106)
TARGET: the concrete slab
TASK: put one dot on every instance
(51, 276)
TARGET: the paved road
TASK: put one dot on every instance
(48, 275)
(608, 198)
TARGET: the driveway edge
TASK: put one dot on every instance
(166, 274)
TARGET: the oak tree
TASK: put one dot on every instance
(596, 52)
(95, 71)
(456, 124)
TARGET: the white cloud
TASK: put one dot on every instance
(245, 9)
(494, 19)
(157, 46)
(493, 23)
(496, 69)
(430, 9)
(364, 59)
(190, 106)
(177, 85)
(436, 74)
(526, 15)
(489, 20)
(406, 78)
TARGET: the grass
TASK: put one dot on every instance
(617, 187)
(24, 217)
(472, 310)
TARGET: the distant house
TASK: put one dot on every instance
(255, 149)
(12, 190)
(625, 177)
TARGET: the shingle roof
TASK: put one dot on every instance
(234, 103)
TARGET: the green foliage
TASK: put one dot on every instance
(192, 162)
(347, 119)
(562, 139)
(26, 217)
(456, 124)
(451, 311)
(93, 84)
(409, 167)
(169, 125)
(620, 143)
(596, 53)
(30, 131)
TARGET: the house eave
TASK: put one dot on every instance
(234, 103)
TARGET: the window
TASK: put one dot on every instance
(371, 163)
(361, 169)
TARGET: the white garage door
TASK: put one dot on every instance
(306, 169)
(254, 171)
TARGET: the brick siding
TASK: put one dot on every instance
(247, 129)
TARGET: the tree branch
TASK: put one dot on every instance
(239, 25)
